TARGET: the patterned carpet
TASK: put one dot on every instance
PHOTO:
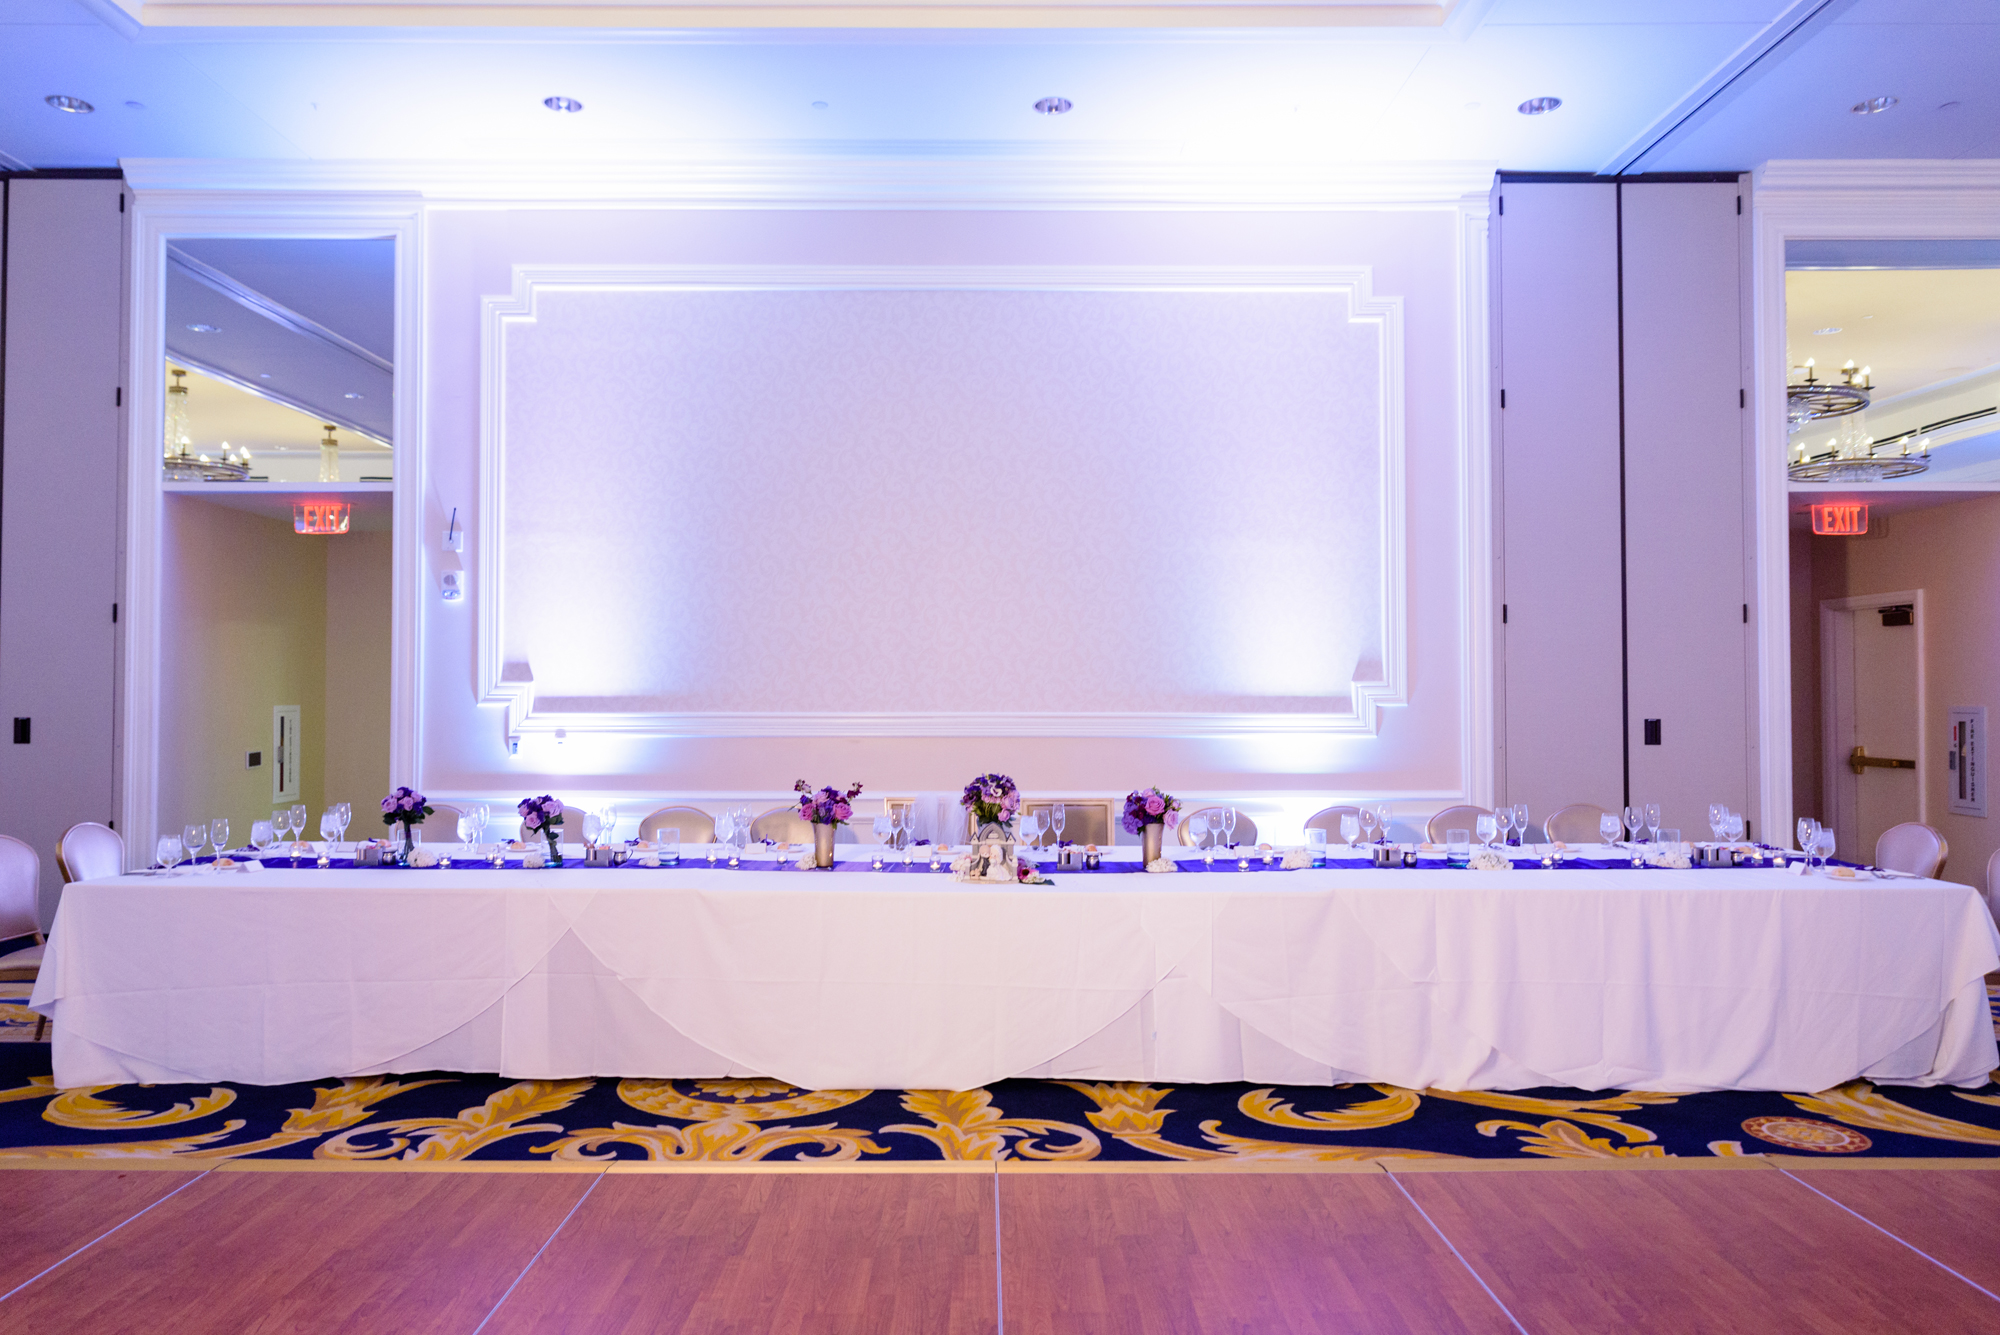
(442, 1117)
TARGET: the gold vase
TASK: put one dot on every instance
(1149, 840)
(823, 845)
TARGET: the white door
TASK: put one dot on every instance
(1872, 683)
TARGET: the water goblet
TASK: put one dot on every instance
(298, 818)
(329, 833)
(885, 830)
(1822, 847)
(1808, 827)
(1608, 829)
(1732, 827)
(167, 852)
(1487, 826)
(1718, 816)
(1653, 821)
(1031, 829)
(193, 837)
(218, 834)
(1350, 829)
(1316, 845)
(261, 836)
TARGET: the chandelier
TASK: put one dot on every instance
(1850, 454)
(183, 462)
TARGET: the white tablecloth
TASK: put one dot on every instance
(1654, 979)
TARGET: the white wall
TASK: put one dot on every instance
(59, 553)
(617, 623)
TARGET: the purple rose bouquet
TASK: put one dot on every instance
(544, 816)
(405, 807)
(992, 799)
(1150, 806)
(828, 806)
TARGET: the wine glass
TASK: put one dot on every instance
(1488, 825)
(1368, 825)
(1031, 829)
(218, 834)
(1521, 823)
(1382, 816)
(1229, 825)
(468, 832)
(1653, 821)
(1608, 829)
(723, 821)
(167, 852)
(1503, 818)
(261, 836)
(1058, 817)
(885, 830)
(1807, 828)
(607, 830)
(193, 837)
(329, 832)
(298, 819)
(1822, 847)
(1732, 827)
(1718, 817)
(1635, 818)
(1350, 828)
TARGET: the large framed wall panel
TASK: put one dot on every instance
(1688, 577)
(1561, 670)
(59, 554)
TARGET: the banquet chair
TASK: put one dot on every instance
(88, 851)
(1992, 887)
(442, 824)
(20, 886)
(786, 825)
(1453, 818)
(1329, 820)
(1246, 829)
(696, 826)
(1083, 823)
(1913, 848)
(1577, 823)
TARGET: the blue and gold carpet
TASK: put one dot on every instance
(456, 1117)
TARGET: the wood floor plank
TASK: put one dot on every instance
(1952, 1214)
(791, 1254)
(257, 1252)
(1583, 1253)
(1211, 1253)
(44, 1216)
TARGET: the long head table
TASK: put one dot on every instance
(1655, 979)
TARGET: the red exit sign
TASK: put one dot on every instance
(1844, 520)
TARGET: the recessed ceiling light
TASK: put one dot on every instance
(135, 106)
(205, 328)
(71, 104)
(351, 396)
(562, 104)
(1830, 329)
(1873, 105)
(1053, 106)
(819, 106)
(263, 375)
(1538, 106)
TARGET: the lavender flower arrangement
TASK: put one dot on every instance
(1150, 806)
(405, 807)
(544, 816)
(829, 806)
(992, 799)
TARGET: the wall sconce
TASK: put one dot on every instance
(324, 518)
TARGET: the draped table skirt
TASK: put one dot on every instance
(1649, 979)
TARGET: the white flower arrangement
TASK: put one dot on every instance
(423, 857)
(1675, 859)
(805, 863)
(1162, 863)
(649, 859)
(1296, 858)
(534, 857)
(1487, 859)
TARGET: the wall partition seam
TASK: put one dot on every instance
(1624, 582)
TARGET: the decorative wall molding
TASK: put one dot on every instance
(898, 176)
(1944, 200)
(501, 682)
(157, 221)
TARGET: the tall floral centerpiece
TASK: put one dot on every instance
(405, 807)
(1148, 814)
(544, 816)
(826, 811)
(994, 801)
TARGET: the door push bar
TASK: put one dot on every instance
(1861, 760)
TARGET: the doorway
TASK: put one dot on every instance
(1872, 699)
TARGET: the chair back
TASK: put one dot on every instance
(88, 851)
(696, 826)
(1454, 818)
(441, 826)
(1329, 820)
(1992, 887)
(20, 888)
(1083, 823)
(1913, 848)
(1577, 823)
(1246, 829)
(787, 826)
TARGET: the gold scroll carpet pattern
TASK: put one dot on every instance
(448, 1117)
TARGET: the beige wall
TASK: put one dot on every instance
(1952, 553)
(356, 744)
(243, 631)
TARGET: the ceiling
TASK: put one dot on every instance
(219, 412)
(1645, 84)
(1913, 327)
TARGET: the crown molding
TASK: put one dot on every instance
(1858, 175)
(1098, 179)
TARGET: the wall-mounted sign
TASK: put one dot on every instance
(1966, 770)
(326, 517)
(1840, 519)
